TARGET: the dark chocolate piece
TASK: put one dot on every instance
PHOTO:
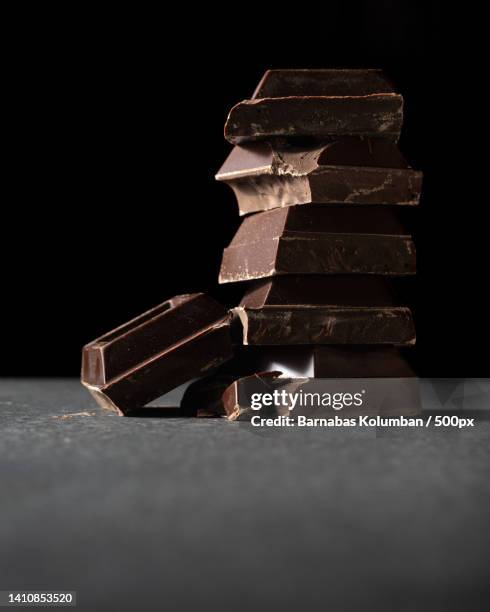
(347, 170)
(202, 398)
(319, 290)
(161, 349)
(313, 324)
(323, 82)
(360, 362)
(318, 103)
(324, 310)
(318, 240)
(232, 399)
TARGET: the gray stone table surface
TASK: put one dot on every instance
(203, 514)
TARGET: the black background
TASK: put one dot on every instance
(110, 204)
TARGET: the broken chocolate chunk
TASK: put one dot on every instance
(360, 362)
(313, 324)
(318, 240)
(347, 170)
(324, 310)
(202, 398)
(181, 339)
(318, 103)
(321, 290)
(323, 82)
(237, 407)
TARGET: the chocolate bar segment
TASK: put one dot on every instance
(322, 241)
(313, 324)
(318, 103)
(360, 362)
(318, 290)
(161, 349)
(323, 82)
(324, 310)
(348, 170)
(321, 218)
(146, 335)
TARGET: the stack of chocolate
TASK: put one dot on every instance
(317, 170)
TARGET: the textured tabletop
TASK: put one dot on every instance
(183, 514)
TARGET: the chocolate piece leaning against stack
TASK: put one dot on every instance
(181, 339)
(317, 170)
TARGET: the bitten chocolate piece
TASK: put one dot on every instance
(343, 310)
(318, 240)
(318, 103)
(348, 170)
(161, 349)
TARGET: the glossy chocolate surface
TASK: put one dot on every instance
(318, 103)
(318, 240)
(346, 170)
(181, 339)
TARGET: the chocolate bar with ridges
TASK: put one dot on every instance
(183, 338)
